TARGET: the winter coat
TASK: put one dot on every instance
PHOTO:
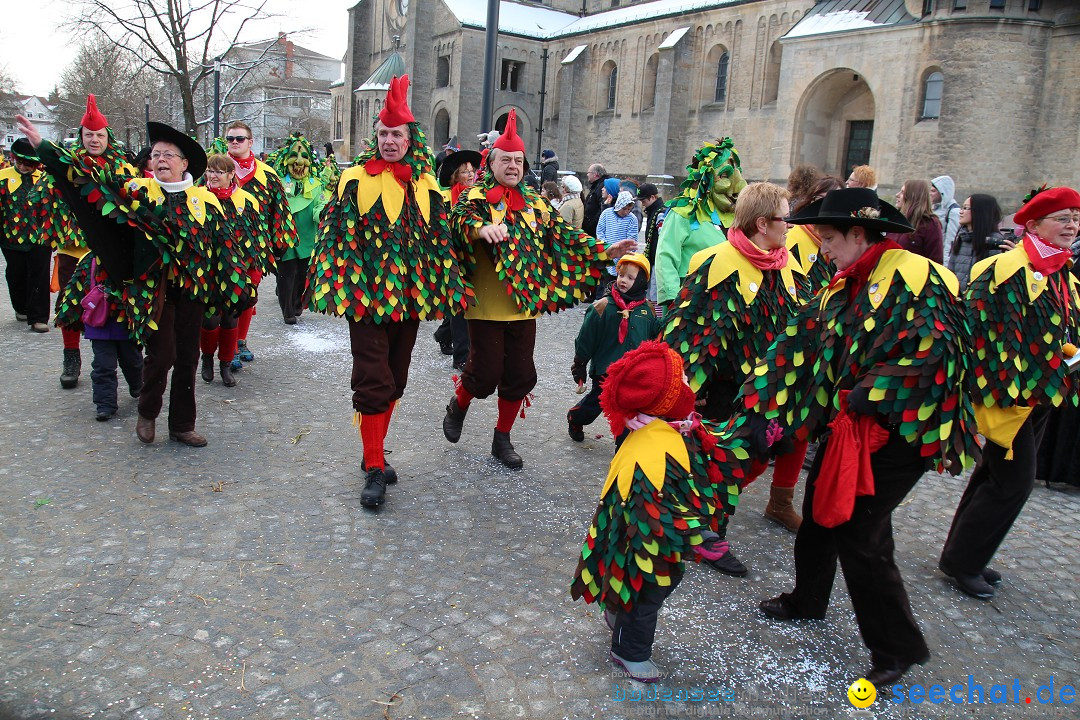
(947, 211)
(573, 210)
(963, 257)
(549, 171)
(594, 205)
(925, 241)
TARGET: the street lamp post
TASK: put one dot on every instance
(217, 96)
(491, 48)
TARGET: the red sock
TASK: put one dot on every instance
(227, 346)
(787, 467)
(208, 340)
(372, 432)
(71, 338)
(463, 397)
(244, 323)
(508, 411)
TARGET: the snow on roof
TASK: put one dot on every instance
(673, 39)
(841, 15)
(573, 54)
(545, 24)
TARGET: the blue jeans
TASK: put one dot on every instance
(107, 354)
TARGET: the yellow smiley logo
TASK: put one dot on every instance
(862, 693)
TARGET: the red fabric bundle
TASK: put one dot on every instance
(845, 470)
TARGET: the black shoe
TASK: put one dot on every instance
(782, 607)
(446, 347)
(227, 379)
(993, 577)
(134, 390)
(974, 585)
(576, 432)
(104, 414)
(729, 565)
(388, 473)
(374, 489)
(454, 420)
(207, 367)
(504, 451)
(69, 377)
(290, 320)
(887, 673)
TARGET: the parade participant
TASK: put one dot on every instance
(1024, 308)
(279, 232)
(96, 143)
(457, 173)
(293, 163)
(804, 244)
(523, 260)
(875, 367)
(736, 299)
(155, 237)
(699, 215)
(670, 477)
(108, 333)
(241, 225)
(607, 333)
(384, 261)
(25, 249)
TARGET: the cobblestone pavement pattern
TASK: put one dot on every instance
(130, 588)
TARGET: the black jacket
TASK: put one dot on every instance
(594, 205)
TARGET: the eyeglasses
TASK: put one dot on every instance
(165, 155)
(777, 219)
(236, 138)
(1064, 219)
(209, 171)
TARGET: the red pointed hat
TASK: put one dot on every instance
(93, 119)
(510, 141)
(396, 110)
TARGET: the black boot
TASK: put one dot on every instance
(454, 420)
(225, 368)
(504, 451)
(374, 489)
(388, 472)
(728, 563)
(69, 378)
(208, 367)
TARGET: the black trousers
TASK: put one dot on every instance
(28, 279)
(500, 358)
(632, 638)
(455, 329)
(291, 279)
(995, 495)
(588, 409)
(864, 546)
(381, 356)
(107, 355)
(173, 346)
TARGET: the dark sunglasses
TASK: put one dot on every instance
(236, 138)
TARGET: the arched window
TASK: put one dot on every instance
(442, 71)
(648, 97)
(932, 89)
(612, 83)
(442, 127)
(721, 77)
(772, 74)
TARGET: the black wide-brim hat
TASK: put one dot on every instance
(196, 156)
(453, 161)
(23, 150)
(848, 207)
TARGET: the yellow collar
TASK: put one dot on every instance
(197, 197)
(647, 448)
(15, 178)
(913, 269)
(369, 188)
(1008, 264)
(728, 260)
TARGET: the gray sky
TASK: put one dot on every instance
(34, 50)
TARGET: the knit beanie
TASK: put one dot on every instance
(612, 187)
(648, 379)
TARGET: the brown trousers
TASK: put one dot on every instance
(381, 357)
(174, 345)
(500, 358)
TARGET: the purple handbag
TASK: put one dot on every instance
(95, 304)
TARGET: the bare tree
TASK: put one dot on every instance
(178, 39)
(8, 105)
(120, 84)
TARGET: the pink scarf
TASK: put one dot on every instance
(775, 259)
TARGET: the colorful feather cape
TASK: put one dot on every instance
(807, 256)
(20, 208)
(903, 337)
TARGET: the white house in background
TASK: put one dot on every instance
(37, 109)
(287, 88)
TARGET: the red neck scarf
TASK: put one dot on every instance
(244, 168)
(223, 193)
(402, 172)
(513, 198)
(857, 273)
(626, 308)
(1043, 256)
(455, 192)
(775, 259)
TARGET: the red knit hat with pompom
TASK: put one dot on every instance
(648, 379)
(396, 110)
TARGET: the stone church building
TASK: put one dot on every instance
(983, 90)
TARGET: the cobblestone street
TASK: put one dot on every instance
(244, 580)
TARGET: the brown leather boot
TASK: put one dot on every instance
(781, 510)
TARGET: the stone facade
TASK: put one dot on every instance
(794, 91)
